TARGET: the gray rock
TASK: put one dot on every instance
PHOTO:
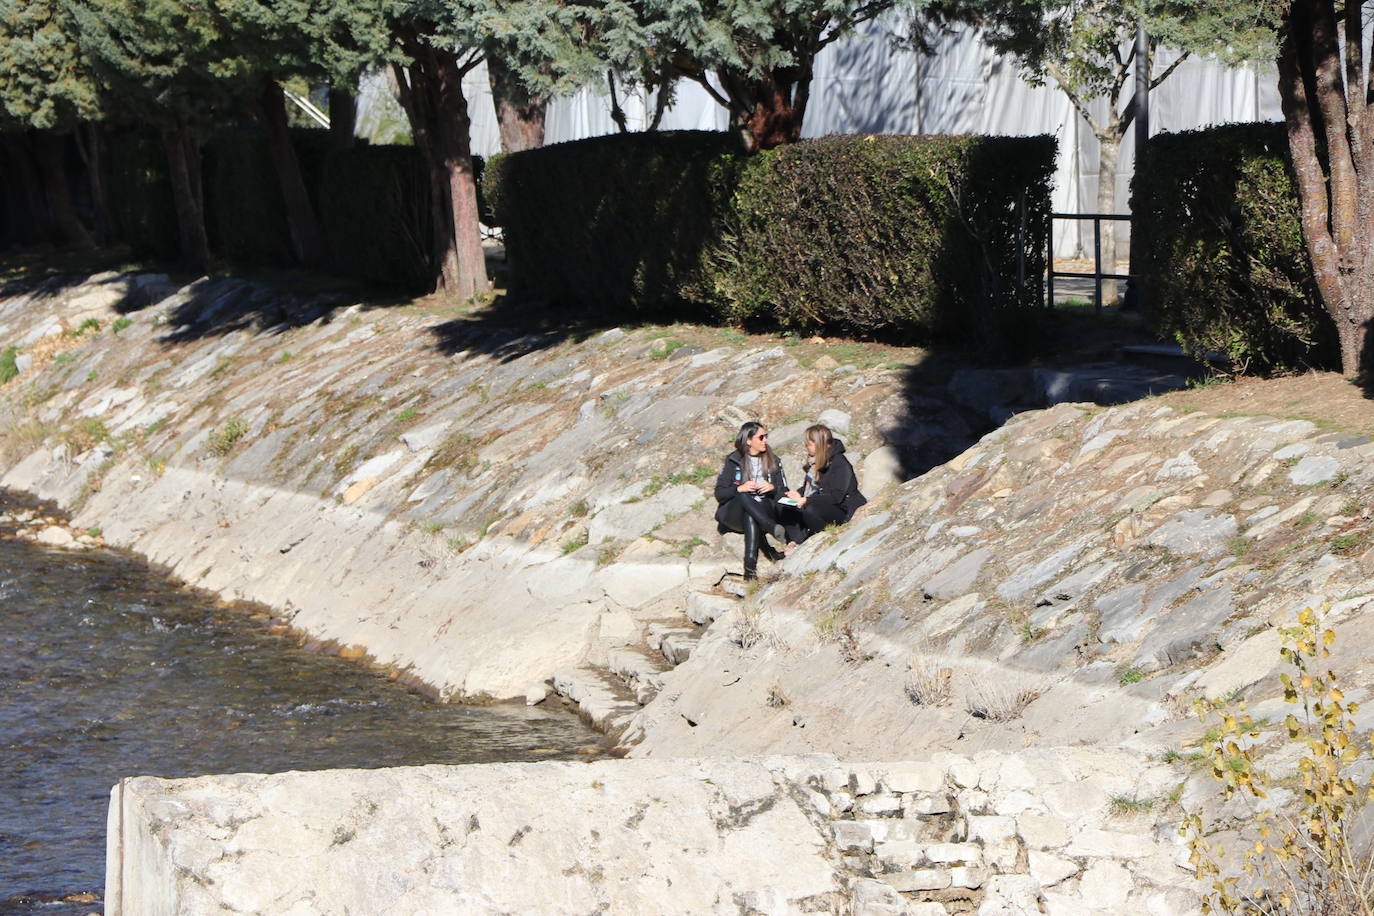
(957, 578)
(984, 390)
(1194, 531)
(837, 420)
(1186, 632)
(55, 536)
(1314, 469)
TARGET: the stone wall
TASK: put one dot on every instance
(1067, 832)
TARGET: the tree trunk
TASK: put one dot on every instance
(307, 239)
(343, 117)
(772, 120)
(433, 98)
(51, 153)
(186, 197)
(1333, 176)
(519, 114)
(30, 212)
(1108, 154)
(92, 153)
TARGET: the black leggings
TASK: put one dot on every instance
(801, 523)
(762, 511)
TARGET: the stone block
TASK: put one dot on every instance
(887, 829)
(968, 876)
(1105, 885)
(914, 777)
(883, 805)
(852, 835)
(871, 897)
(920, 879)
(1010, 895)
(896, 854)
(991, 828)
(1049, 869)
(1042, 831)
(959, 853)
(842, 802)
(862, 781)
(1113, 844)
(916, 804)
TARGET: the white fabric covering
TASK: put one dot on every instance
(864, 84)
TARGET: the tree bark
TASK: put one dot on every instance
(343, 117)
(519, 114)
(307, 238)
(92, 153)
(187, 198)
(432, 94)
(1330, 174)
(1108, 156)
(50, 151)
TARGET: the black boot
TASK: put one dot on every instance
(752, 537)
(768, 550)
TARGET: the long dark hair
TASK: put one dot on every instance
(747, 432)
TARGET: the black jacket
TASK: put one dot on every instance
(837, 485)
(732, 473)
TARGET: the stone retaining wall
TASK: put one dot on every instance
(1061, 831)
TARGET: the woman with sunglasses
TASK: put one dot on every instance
(747, 490)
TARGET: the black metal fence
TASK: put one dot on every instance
(1097, 275)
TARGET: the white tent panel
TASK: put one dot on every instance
(865, 84)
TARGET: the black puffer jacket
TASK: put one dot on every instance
(837, 485)
(732, 473)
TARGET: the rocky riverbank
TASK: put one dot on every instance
(495, 512)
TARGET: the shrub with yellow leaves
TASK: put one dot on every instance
(1302, 858)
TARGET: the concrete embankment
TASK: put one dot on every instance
(767, 835)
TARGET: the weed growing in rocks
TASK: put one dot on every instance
(607, 554)
(1131, 676)
(121, 323)
(222, 440)
(1239, 546)
(579, 509)
(576, 543)
(929, 684)
(1305, 859)
(746, 630)
(65, 358)
(9, 367)
(998, 702)
(776, 698)
(85, 435)
(1346, 544)
(685, 550)
(664, 348)
(1124, 805)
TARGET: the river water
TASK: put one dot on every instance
(109, 669)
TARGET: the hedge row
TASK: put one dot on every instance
(373, 202)
(1223, 266)
(913, 237)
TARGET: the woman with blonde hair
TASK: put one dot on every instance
(830, 495)
(747, 491)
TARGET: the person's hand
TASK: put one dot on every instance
(749, 486)
(763, 486)
(793, 494)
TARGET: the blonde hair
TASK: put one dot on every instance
(824, 441)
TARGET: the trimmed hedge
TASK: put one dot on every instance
(138, 193)
(619, 223)
(912, 237)
(882, 234)
(374, 203)
(1223, 266)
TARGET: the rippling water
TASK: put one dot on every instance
(108, 669)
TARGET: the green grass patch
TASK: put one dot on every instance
(222, 439)
(9, 368)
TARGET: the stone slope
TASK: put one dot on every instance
(1078, 576)
(474, 507)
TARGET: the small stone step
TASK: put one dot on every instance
(674, 643)
(604, 704)
(642, 673)
(704, 607)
